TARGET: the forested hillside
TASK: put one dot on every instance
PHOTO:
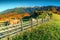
(21, 12)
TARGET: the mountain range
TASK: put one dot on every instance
(27, 11)
(31, 9)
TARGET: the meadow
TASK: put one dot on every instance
(46, 31)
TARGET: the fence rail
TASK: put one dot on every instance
(12, 29)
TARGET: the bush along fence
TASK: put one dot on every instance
(7, 32)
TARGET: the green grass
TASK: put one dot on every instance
(46, 31)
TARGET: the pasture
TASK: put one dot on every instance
(47, 31)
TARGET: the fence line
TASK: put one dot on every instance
(12, 29)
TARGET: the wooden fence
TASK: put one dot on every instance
(6, 31)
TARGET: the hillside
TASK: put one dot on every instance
(21, 12)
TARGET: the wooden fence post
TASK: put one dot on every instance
(37, 20)
(31, 22)
(21, 25)
(8, 38)
(42, 20)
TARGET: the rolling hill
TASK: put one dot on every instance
(27, 11)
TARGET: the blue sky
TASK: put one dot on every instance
(9, 4)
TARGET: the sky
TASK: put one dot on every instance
(9, 4)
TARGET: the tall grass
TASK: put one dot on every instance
(47, 31)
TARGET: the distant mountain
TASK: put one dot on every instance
(26, 11)
(31, 9)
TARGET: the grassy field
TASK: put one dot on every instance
(47, 31)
